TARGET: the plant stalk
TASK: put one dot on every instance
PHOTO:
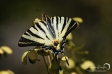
(46, 65)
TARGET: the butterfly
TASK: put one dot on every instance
(49, 33)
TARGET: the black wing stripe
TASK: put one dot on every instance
(43, 23)
(26, 34)
(50, 27)
(52, 21)
(26, 42)
(74, 25)
(63, 24)
(35, 27)
(40, 28)
(67, 19)
(55, 26)
(47, 37)
(57, 23)
(44, 26)
(60, 18)
(35, 35)
(71, 24)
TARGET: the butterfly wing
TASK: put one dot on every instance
(62, 26)
(71, 26)
(47, 30)
(35, 36)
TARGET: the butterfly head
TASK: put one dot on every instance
(57, 46)
(56, 42)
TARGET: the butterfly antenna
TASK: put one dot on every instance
(67, 61)
(43, 14)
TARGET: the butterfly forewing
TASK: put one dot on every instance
(62, 26)
(35, 36)
(72, 26)
(50, 28)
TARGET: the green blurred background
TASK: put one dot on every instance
(16, 16)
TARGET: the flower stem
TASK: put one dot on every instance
(46, 64)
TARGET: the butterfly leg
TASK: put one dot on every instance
(46, 47)
(56, 57)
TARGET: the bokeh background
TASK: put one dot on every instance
(16, 16)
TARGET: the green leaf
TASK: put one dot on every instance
(32, 55)
(24, 57)
(43, 52)
(78, 19)
(32, 61)
(61, 72)
(54, 67)
(36, 49)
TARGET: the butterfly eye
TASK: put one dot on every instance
(56, 43)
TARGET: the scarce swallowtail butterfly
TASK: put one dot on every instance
(49, 33)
